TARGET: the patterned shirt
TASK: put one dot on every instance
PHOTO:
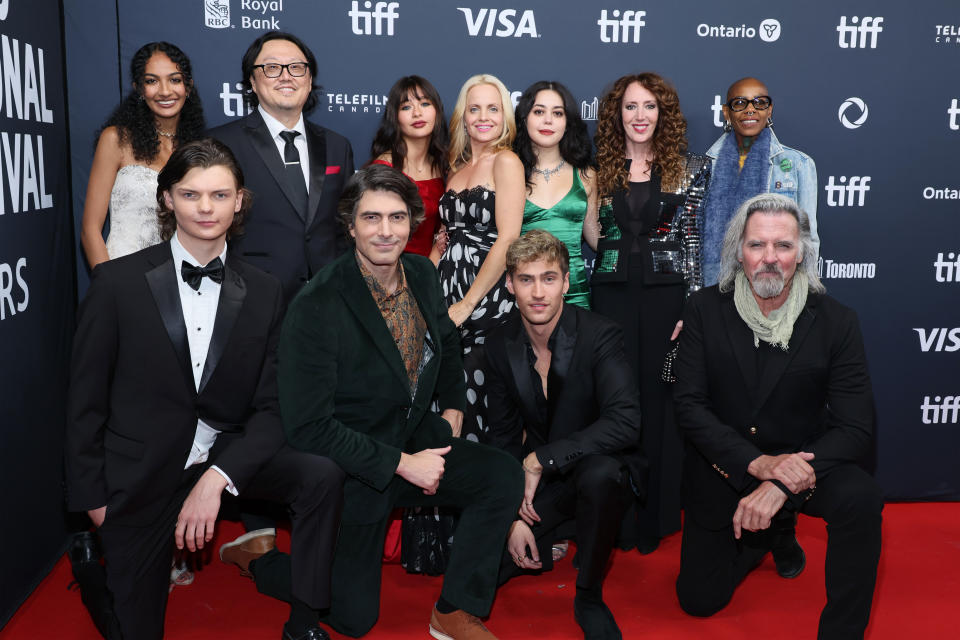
(404, 320)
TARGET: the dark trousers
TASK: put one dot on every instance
(486, 484)
(138, 558)
(712, 562)
(595, 495)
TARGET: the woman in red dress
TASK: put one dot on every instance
(413, 137)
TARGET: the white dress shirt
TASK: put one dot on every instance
(199, 313)
(274, 126)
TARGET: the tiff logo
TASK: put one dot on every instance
(617, 29)
(588, 110)
(929, 339)
(948, 270)
(847, 194)
(233, 100)
(373, 18)
(717, 109)
(868, 27)
(946, 411)
(953, 111)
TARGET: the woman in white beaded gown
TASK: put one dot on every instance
(162, 112)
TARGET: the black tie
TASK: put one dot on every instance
(293, 171)
(192, 275)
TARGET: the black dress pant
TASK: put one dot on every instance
(712, 562)
(595, 495)
(138, 557)
(486, 485)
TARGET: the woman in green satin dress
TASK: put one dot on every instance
(554, 145)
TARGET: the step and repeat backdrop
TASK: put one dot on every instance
(870, 90)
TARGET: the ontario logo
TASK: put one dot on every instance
(769, 30)
(216, 14)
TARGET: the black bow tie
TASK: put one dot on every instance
(192, 275)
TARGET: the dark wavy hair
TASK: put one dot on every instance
(250, 59)
(379, 177)
(669, 138)
(575, 146)
(388, 138)
(203, 154)
(135, 122)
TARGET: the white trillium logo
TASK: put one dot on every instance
(770, 30)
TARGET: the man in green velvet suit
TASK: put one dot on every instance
(367, 348)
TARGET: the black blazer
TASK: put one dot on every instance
(133, 404)
(344, 389)
(814, 397)
(590, 390)
(292, 245)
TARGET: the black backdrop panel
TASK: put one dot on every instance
(869, 90)
(36, 292)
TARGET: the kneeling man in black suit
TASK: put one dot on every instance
(173, 399)
(774, 400)
(563, 400)
(366, 355)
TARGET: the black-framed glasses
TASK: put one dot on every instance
(760, 103)
(274, 70)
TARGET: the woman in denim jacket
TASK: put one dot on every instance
(749, 162)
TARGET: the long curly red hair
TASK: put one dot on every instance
(669, 138)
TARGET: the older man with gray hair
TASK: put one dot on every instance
(774, 400)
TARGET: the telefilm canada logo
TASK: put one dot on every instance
(375, 19)
(769, 30)
(500, 23)
(621, 26)
(853, 113)
(216, 14)
(947, 34)
(354, 102)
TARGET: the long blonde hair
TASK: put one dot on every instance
(460, 151)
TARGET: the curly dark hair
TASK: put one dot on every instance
(669, 138)
(203, 154)
(388, 138)
(135, 122)
(575, 146)
(250, 59)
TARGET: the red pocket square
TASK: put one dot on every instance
(333, 170)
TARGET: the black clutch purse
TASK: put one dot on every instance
(666, 372)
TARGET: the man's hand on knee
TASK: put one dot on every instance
(755, 511)
(792, 469)
(198, 516)
(522, 546)
(424, 468)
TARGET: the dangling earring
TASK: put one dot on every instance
(727, 127)
(769, 122)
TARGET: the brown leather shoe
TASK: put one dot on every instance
(247, 548)
(458, 625)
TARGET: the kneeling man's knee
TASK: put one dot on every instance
(701, 599)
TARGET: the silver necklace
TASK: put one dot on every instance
(165, 134)
(546, 173)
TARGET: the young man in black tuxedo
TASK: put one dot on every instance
(773, 397)
(563, 400)
(368, 355)
(173, 400)
(295, 168)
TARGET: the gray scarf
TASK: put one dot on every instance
(776, 328)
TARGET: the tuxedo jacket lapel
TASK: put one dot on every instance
(741, 341)
(267, 149)
(358, 299)
(232, 292)
(317, 146)
(162, 280)
(561, 356)
(520, 367)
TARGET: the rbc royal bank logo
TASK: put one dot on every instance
(216, 14)
(861, 33)
(847, 193)
(621, 28)
(502, 23)
(853, 113)
(588, 110)
(370, 20)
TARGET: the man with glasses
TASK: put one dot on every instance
(295, 168)
(748, 160)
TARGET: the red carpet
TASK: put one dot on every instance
(917, 589)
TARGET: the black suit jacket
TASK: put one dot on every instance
(814, 397)
(290, 244)
(344, 389)
(133, 404)
(590, 390)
